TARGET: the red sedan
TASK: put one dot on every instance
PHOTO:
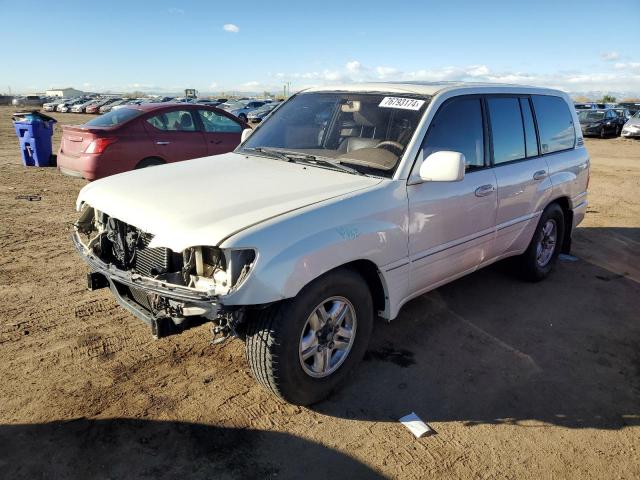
(144, 135)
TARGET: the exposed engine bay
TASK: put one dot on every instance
(200, 269)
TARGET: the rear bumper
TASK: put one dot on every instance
(83, 166)
(579, 211)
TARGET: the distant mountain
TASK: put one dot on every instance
(593, 95)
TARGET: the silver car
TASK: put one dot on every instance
(632, 127)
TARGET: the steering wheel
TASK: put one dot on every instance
(391, 143)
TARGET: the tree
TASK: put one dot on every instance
(608, 99)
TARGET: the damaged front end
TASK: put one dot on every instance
(169, 290)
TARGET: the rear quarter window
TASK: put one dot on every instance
(555, 124)
(114, 117)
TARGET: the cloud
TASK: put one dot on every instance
(609, 56)
(251, 84)
(477, 70)
(175, 11)
(385, 72)
(230, 27)
(213, 85)
(354, 66)
(627, 66)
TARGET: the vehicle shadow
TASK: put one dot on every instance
(489, 348)
(134, 448)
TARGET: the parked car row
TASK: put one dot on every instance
(607, 119)
(608, 122)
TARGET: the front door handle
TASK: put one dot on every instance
(485, 190)
(163, 143)
(540, 175)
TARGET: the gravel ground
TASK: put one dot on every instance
(518, 380)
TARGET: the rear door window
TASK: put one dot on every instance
(555, 123)
(173, 121)
(506, 129)
(458, 127)
(215, 122)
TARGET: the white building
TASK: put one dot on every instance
(64, 92)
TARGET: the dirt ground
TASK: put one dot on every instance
(519, 380)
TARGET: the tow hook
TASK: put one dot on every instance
(224, 327)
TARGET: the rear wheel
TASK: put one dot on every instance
(603, 134)
(149, 162)
(538, 260)
(303, 348)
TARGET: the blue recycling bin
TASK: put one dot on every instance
(34, 131)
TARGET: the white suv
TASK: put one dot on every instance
(343, 205)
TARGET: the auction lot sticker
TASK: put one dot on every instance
(403, 103)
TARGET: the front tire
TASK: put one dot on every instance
(537, 262)
(301, 349)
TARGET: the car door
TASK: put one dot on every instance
(524, 185)
(452, 224)
(222, 133)
(176, 135)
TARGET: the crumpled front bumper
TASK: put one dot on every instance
(121, 281)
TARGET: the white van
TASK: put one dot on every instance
(343, 205)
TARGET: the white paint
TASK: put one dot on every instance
(415, 425)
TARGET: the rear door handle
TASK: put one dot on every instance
(540, 175)
(216, 142)
(163, 143)
(485, 190)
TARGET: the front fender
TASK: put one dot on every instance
(295, 250)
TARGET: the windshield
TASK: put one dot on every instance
(590, 116)
(368, 132)
(114, 117)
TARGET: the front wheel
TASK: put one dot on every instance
(538, 260)
(301, 349)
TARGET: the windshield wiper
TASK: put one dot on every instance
(271, 153)
(291, 156)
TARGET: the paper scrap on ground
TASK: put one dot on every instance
(415, 425)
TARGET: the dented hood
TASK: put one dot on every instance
(206, 200)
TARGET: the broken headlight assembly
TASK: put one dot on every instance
(216, 269)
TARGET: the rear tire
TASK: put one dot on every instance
(149, 162)
(282, 349)
(537, 262)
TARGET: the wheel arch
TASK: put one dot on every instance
(375, 281)
(565, 205)
(156, 158)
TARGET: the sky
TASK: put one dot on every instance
(255, 46)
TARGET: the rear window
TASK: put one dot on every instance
(555, 123)
(114, 117)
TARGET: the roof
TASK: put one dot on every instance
(149, 107)
(428, 88)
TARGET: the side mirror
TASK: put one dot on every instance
(443, 166)
(246, 133)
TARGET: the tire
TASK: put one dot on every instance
(275, 338)
(149, 162)
(602, 133)
(537, 262)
